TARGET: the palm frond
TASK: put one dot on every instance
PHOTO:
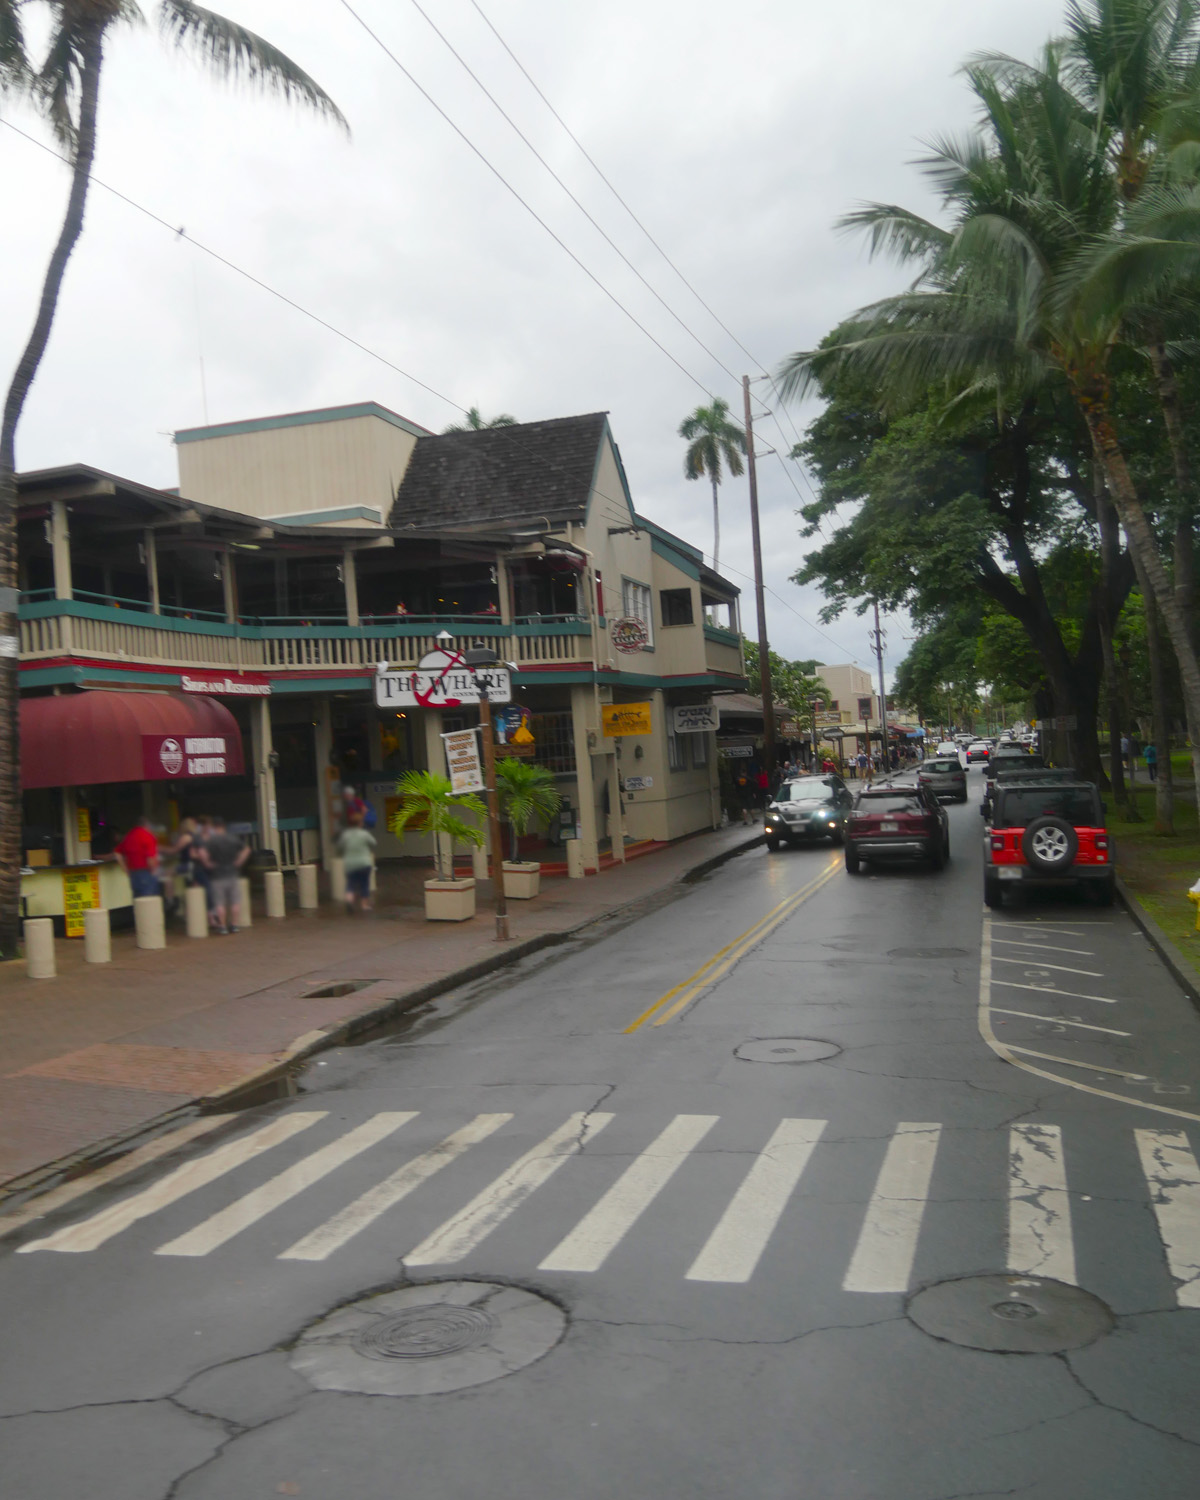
(15, 71)
(895, 231)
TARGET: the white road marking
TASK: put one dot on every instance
(93, 1232)
(1039, 1207)
(58, 1197)
(459, 1235)
(335, 1232)
(1047, 947)
(600, 1231)
(247, 1210)
(1174, 1182)
(1050, 989)
(887, 1244)
(1074, 1062)
(999, 1010)
(735, 1246)
(1060, 968)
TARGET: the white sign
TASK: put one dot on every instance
(638, 783)
(442, 679)
(462, 761)
(696, 718)
(231, 687)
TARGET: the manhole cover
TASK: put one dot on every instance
(785, 1049)
(1011, 1314)
(927, 953)
(441, 1336)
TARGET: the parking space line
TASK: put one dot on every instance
(1087, 1067)
(1058, 1021)
(1047, 947)
(1049, 989)
(1059, 968)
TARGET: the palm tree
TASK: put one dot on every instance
(711, 437)
(527, 792)
(428, 800)
(476, 423)
(66, 88)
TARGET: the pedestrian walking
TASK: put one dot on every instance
(1150, 755)
(763, 783)
(1125, 748)
(224, 854)
(356, 846)
(860, 761)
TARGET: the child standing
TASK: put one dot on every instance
(357, 848)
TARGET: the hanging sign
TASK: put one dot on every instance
(168, 757)
(625, 718)
(696, 718)
(81, 892)
(462, 761)
(442, 679)
(83, 825)
(629, 634)
(864, 708)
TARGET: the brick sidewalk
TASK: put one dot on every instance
(104, 1051)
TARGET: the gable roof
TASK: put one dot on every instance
(502, 474)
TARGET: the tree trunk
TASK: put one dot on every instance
(90, 58)
(1106, 521)
(1144, 548)
(1185, 540)
(716, 526)
(1164, 785)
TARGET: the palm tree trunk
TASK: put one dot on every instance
(1185, 541)
(1106, 522)
(90, 58)
(716, 526)
(1144, 548)
(1164, 786)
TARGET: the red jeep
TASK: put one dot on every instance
(1048, 834)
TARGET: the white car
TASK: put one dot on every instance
(947, 747)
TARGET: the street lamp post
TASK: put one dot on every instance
(484, 656)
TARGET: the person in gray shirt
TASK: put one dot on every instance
(224, 854)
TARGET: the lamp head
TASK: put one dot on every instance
(444, 638)
(481, 655)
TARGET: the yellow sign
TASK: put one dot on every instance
(83, 824)
(625, 718)
(81, 892)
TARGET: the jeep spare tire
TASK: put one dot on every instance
(1050, 845)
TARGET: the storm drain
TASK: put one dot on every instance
(1011, 1314)
(785, 1049)
(422, 1340)
(342, 987)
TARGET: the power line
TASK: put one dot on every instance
(779, 597)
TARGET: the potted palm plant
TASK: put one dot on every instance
(526, 792)
(428, 805)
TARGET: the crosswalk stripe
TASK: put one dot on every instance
(247, 1210)
(459, 1235)
(735, 1246)
(1039, 1208)
(335, 1232)
(600, 1231)
(887, 1244)
(59, 1197)
(1174, 1181)
(101, 1227)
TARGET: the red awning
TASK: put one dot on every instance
(84, 739)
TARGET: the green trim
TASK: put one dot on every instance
(676, 558)
(55, 676)
(321, 517)
(144, 618)
(281, 686)
(302, 419)
(721, 636)
(670, 539)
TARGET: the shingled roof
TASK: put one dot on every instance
(501, 474)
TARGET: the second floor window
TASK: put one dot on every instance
(636, 603)
(676, 606)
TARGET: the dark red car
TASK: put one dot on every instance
(896, 823)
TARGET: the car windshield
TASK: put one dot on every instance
(882, 805)
(806, 789)
(1076, 804)
(941, 768)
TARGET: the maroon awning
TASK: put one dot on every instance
(84, 739)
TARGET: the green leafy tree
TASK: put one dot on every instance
(528, 793)
(476, 422)
(66, 87)
(428, 804)
(713, 440)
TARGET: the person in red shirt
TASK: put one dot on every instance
(138, 854)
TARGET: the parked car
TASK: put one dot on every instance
(806, 808)
(896, 822)
(1047, 832)
(979, 750)
(1007, 758)
(944, 776)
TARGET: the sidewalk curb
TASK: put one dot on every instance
(310, 1043)
(1185, 977)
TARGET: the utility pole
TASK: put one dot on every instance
(764, 650)
(883, 727)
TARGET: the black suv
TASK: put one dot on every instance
(1008, 758)
(807, 808)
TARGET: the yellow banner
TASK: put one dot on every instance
(625, 718)
(81, 892)
(83, 825)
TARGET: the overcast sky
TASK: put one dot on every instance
(736, 134)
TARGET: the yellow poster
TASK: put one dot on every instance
(81, 892)
(625, 718)
(83, 824)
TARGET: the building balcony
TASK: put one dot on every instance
(723, 651)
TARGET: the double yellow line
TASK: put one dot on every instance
(679, 998)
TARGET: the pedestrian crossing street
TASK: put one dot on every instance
(1040, 1205)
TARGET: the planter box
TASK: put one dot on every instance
(449, 900)
(521, 879)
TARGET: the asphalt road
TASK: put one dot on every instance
(732, 1249)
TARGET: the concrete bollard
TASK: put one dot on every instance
(97, 936)
(306, 878)
(575, 858)
(245, 910)
(273, 888)
(39, 948)
(195, 906)
(148, 922)
(479, 861)
(337, 879)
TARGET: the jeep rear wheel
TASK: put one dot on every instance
(1050, 845)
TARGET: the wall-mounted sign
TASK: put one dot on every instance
(462, 761)
(244, 685)
(864, 708)
(442, 679)
(81, 892)
(512, 725)
(833, 716)
(625, 718)
(791, 729)
(629, 634)
(638, 783)
(83, 825)
(696, 718)
(738, 752)
(168, 757)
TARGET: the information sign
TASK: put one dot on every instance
(442, 679)
(81, 892)
(625, 718)
(462, 760)
(638, 783)
(696, 718)
(83, 825)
